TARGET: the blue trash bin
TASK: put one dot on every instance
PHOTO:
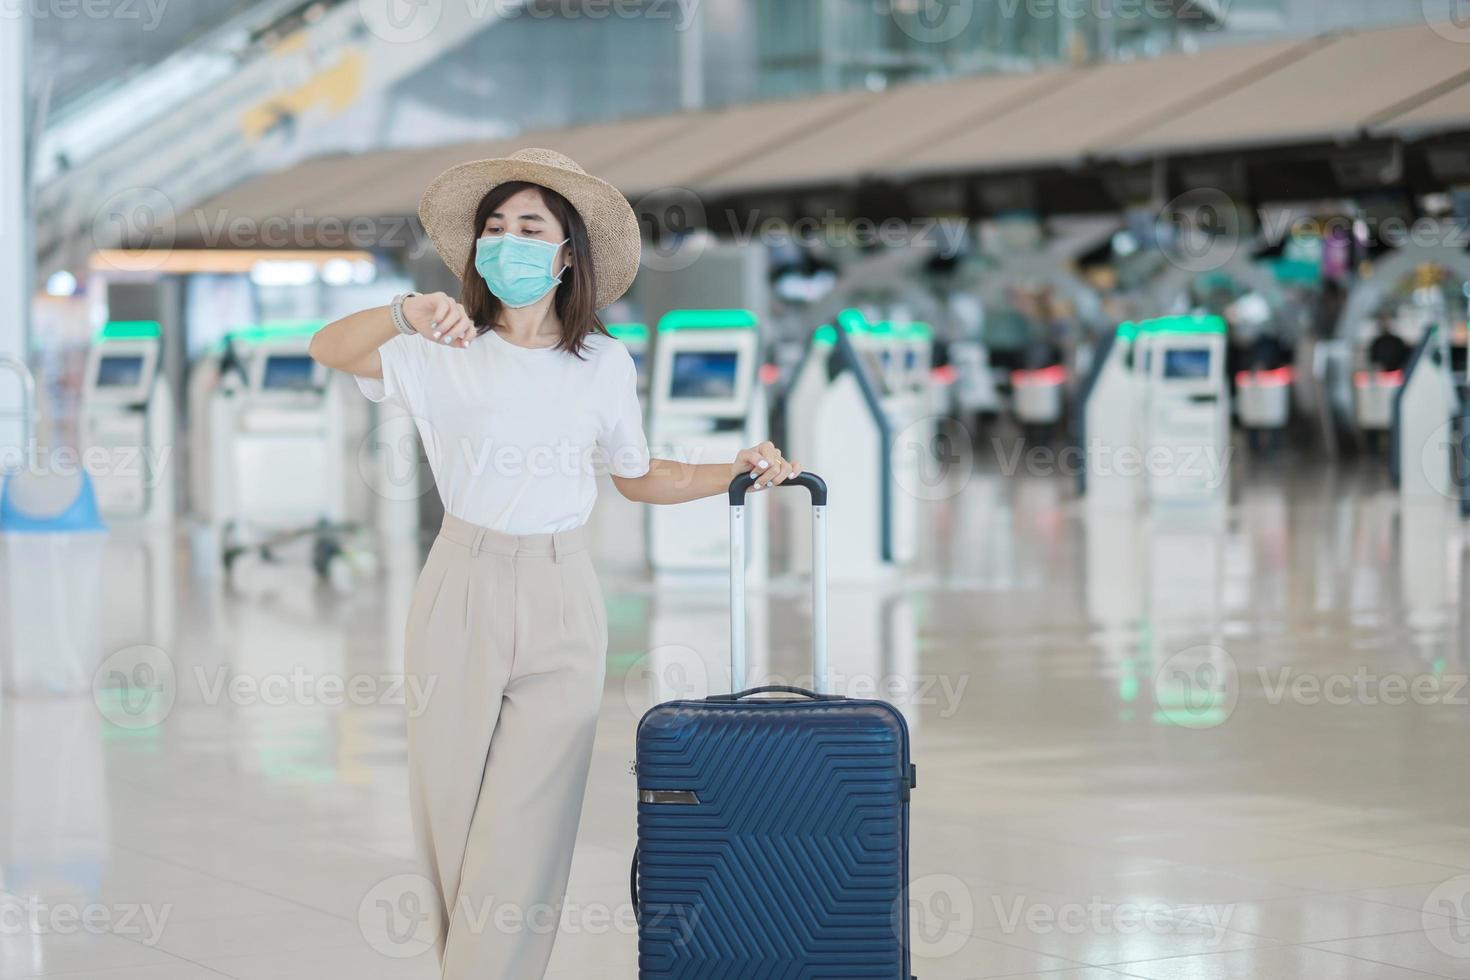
(53, 539)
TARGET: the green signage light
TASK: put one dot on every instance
(853, 321)
(628, 331)
(260, 333)
(130, 330)
(707, 320)
(1183, 324)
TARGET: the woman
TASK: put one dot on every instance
(512, 388)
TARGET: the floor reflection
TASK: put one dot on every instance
(1130, 722)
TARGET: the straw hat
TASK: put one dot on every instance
(448, 212)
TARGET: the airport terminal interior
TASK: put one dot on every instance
(1128, 338)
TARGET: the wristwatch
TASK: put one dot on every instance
(399, 320)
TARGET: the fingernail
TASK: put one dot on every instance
(763, 464)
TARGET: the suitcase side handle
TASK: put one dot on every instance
(810, 482)
(817, 487)
(774, 689)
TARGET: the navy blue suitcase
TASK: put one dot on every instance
(773, 832)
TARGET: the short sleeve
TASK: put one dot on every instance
(403, 360)
(622, 438)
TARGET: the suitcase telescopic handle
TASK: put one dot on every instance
(817, 488)
(810, 482)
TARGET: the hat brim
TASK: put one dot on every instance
(447, 211)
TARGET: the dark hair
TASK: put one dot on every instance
(576, 296)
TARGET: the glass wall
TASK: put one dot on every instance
(823, 45)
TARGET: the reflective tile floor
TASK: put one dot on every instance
(1201, 745)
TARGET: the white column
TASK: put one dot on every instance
(691, 57)
(16, 258)
(17, 261)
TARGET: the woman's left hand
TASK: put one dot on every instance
(767, 463)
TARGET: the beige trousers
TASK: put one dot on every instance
(512, 632)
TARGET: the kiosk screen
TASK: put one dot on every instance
(1189, 364)
(289, 372)
(704, 374)
(120, 371)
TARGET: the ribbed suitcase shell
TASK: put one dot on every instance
(793, 865)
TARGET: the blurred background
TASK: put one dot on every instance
(1130, 334)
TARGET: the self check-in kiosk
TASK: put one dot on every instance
(1156, 413)
(1425, 444)
(288, 457)
(634, 336)
(1109, 428)
(902, 396)
(1187, 418)
(843, 420)
(127, 423)
(705, 405)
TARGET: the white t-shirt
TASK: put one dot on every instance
(516, 436)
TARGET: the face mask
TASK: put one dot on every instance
(517, 270)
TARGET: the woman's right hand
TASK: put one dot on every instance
(439, 318)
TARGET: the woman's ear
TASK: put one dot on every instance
(566, 258)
